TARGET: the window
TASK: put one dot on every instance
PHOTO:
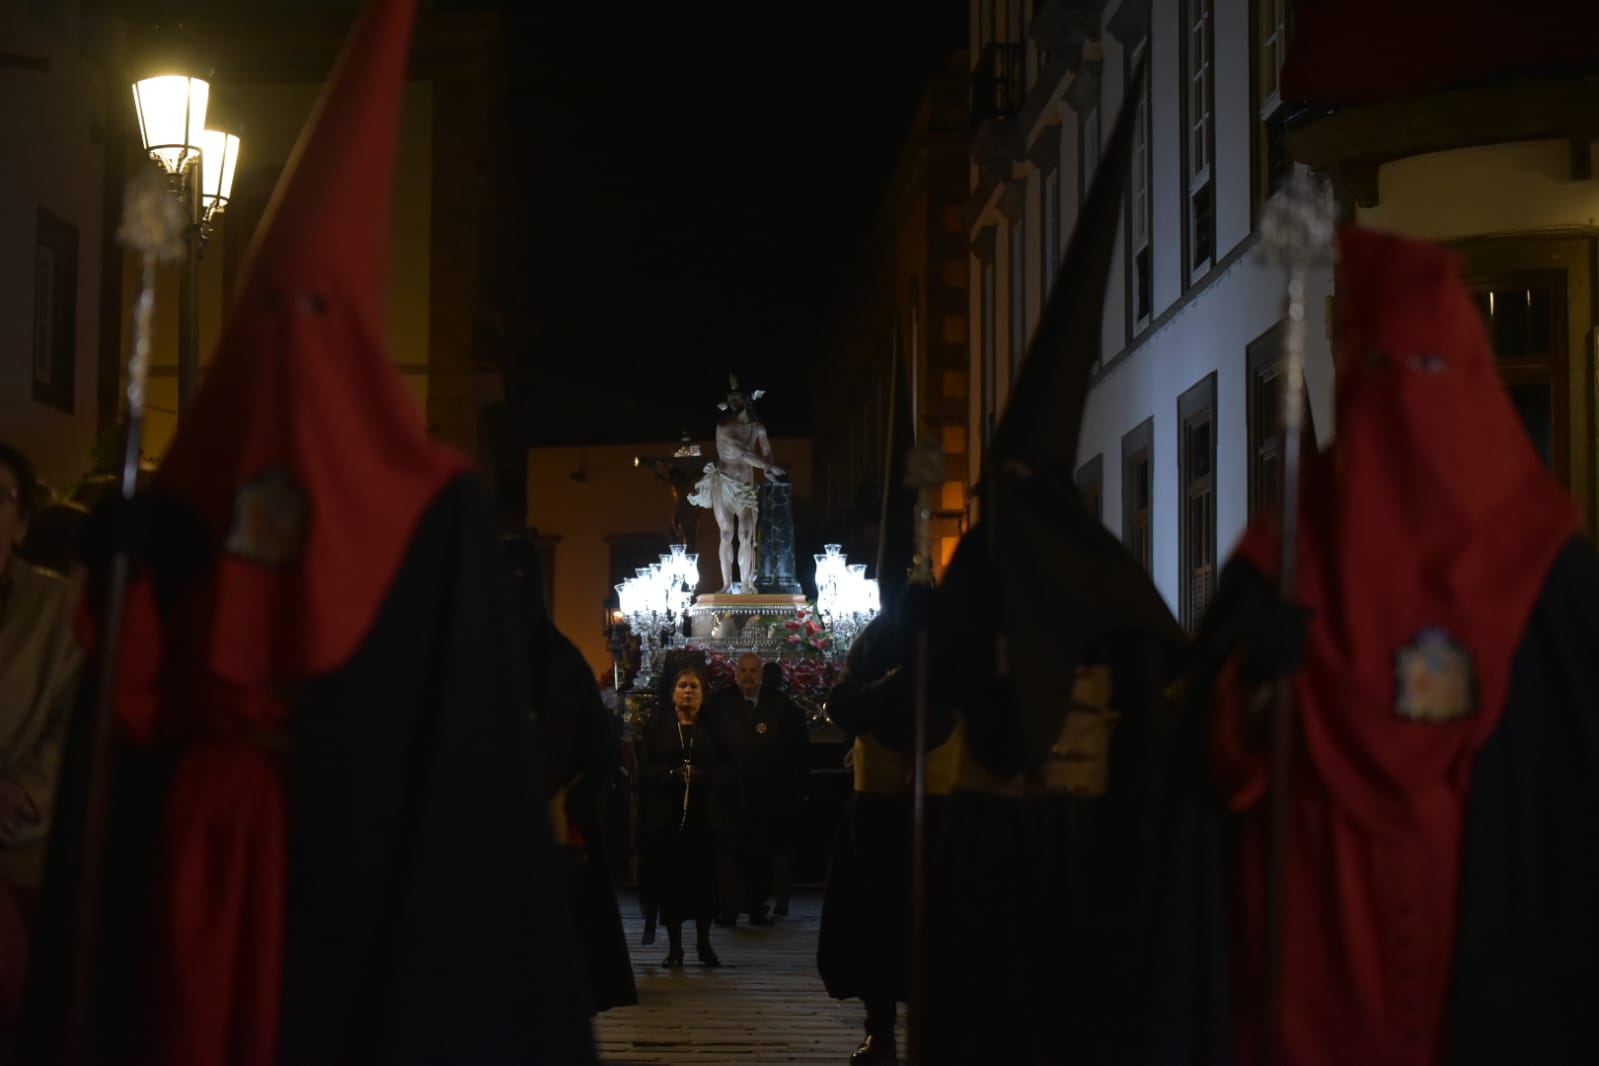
(1138, 492)
(990, 354)
(1018, 292)
(1049, 243)
(1200, 136)
(1264, 414)
(55, 310)
(1536, 295)
(1272, 162)
(1196, 459)
(1091, 485)
(1263, 410)
(1088, 151)
(1140, 267)
(1525, 314)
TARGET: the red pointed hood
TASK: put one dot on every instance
(1431, 512)
(1426, 535)
(304, 452)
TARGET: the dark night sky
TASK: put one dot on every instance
(683, 191)
(678, 192)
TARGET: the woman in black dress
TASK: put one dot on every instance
(684, 768)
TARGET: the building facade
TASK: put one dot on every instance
(78, 141)
(905, 298)
(60, 87)
(1179, 442)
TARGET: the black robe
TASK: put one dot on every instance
(1045, 928)
(1525, 972)
(583, 754)
(680, 845)
(427, 916)
(863, 947)
(576, 729)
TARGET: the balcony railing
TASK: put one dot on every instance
(999, 82)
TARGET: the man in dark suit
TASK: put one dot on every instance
(768, 732)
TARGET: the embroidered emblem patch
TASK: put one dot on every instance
(760, 727)
(1437, 681)
(269, 518)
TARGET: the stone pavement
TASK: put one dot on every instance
(764, 1005)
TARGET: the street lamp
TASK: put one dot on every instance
(219, 158)
(172, 109)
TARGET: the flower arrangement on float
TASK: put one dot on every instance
(804, 634)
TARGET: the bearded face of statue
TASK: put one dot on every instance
(736, 402)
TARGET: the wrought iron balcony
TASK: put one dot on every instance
(999, 83)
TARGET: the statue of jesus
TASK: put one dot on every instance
(728, 485)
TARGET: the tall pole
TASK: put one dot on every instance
(189, 285)
(924, 470)
(1298, 233)
(151, 226)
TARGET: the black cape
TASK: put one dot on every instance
(863, 948)
(1044, 947)
(1525, 973)
(575, 723)
(581, 751)
(428, 916)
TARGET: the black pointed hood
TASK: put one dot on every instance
(1039, 578)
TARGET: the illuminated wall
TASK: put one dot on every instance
(55, 166)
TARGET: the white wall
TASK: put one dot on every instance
(54, 162)
(1214, 325)
(1209, 334)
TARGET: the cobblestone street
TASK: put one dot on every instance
(764, 1005)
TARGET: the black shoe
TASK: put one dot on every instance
(781, 910)
(708, 956)
(875, 1051)
(649, 936)
(673, 958)
(761, 919)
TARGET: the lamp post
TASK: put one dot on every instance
(200, 162)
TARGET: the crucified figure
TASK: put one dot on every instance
(683, 475)
(728, 486)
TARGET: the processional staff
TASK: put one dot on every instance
(924, 469)
(153, 225)
(1297, 233)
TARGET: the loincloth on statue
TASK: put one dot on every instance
(739, 496)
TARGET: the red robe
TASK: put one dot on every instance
(1425, 537)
